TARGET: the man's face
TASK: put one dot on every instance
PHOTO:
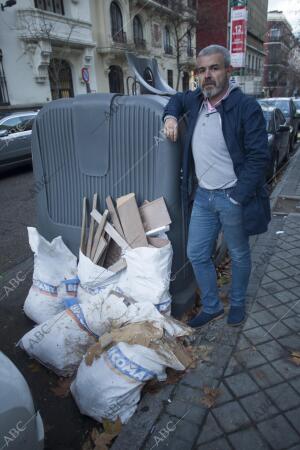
(213, 75)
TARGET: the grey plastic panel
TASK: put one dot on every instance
(127, 154)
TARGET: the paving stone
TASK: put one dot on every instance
(172, 442)
(243, 343)
(291, 271)
(231, 416)
(286, 296)
(277, 275)
(271, 350)
(296, 384)
(266, 280)
(263, 317)
(282, 311)
(257, 335)
(278, 432)
(194, 413)
(284, 396)
(261, 292)
(295, 447)
(290, 342)
(250, 323)
(288, 283)
(293, 323)
(294, 417)
(259, 406)
(187, 394)
(294, 251)
(265, 376)
(273, 288)
(248, 439)
(204, 375)
(233, 367)
(269, 301)
(280, 263)
(255, 306)
(219, 444)
(277, 330)
(225, 396)
(250, 358)
(210, 430)
(241, 384)
(286, 368)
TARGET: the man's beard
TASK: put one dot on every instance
(212, 91)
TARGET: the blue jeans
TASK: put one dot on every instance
(211, 211)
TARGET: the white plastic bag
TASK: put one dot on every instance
(53, 264)
(61, 341)
(111, 385)
(94, 280)
(147, 276)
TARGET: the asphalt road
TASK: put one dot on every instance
(65, 427)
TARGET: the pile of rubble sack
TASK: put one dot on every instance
(106, 320)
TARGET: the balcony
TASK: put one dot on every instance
(120, 37)
(140, 44)
(36, 24)
(167, 7)
(168, 49)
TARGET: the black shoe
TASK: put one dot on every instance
(236, 316)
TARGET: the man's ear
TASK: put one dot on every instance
(229, 71)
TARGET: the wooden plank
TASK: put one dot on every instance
(83, 226)
(155, 214)
(91, 230)
(99, 232)
(131, 221)
(111, 230)
(118, 266)
(114, 216)
(100, 249)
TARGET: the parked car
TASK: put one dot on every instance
(21, 427)
(288, 108)
(15, 139)
(297, 104)
(278, 138)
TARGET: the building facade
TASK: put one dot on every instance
(44, 44)
(214, 27)
(282, 65)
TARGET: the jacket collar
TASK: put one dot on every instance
(228, 103)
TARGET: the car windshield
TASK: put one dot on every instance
(283, 105)
(297, 103)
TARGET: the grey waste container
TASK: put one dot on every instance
(112, 145)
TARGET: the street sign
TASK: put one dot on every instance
(85, 74)
(238, 36)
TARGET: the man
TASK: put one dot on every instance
(226, 146)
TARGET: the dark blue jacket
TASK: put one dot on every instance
(245, 134)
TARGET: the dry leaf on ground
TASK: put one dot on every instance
(210, 397)
(34, 366)
(62, 389)
(295, 358)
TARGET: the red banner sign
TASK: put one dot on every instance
(238, 37)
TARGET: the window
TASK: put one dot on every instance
(167, 41)
(56, 6)
(117, 32)
(138, 32)
(60, 77)
(170, 77)
(274, 33)
(4, 100)
(27, 123)
(189, 44)
(11, 125)
(116, 80)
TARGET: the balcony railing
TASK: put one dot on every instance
(168, 49)
(140, 43)
(120, 37)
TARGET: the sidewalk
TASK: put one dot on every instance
(258, 406)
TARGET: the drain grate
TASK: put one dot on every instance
(286, 204)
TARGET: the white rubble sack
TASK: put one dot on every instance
(147, 276)
(60, 342)
(112, 384)
(94, 279)
(54, 264)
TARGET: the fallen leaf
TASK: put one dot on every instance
(112, 427)
(103, 440)
(34, 366)
(62, 388)
(210, 397)
(94, 352)
(295, 358)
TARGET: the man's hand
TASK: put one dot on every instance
(171, 129)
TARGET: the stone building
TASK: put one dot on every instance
(44, 44)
